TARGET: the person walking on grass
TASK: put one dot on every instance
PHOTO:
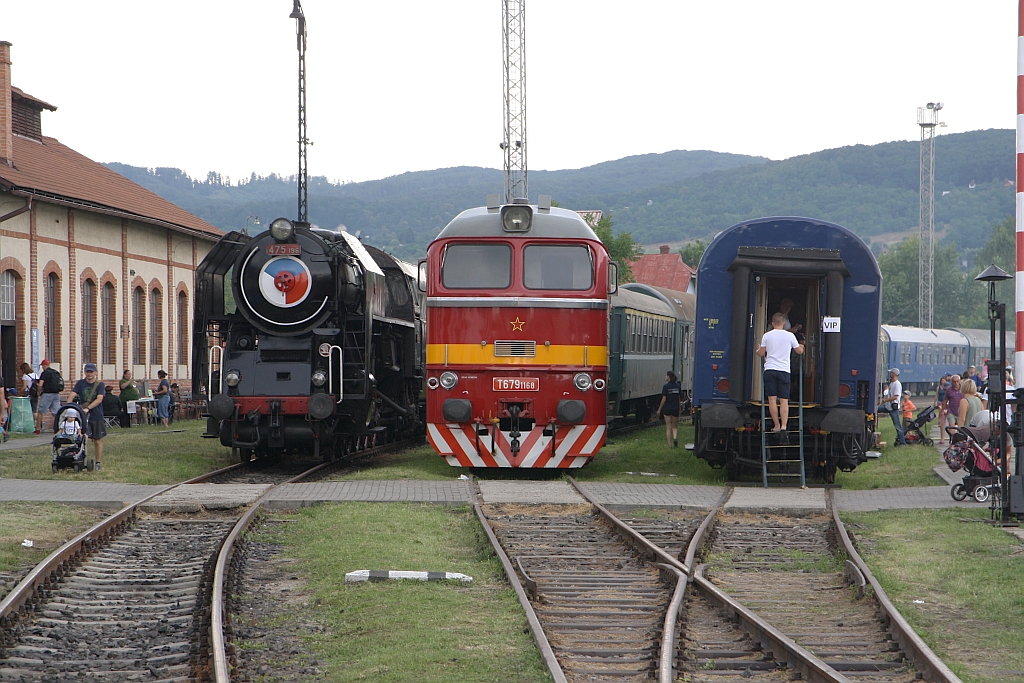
(891, 404)
(89, 394)
(163, 399)
(940, 403)
(669, 408)
(954, 396)
(776, 345)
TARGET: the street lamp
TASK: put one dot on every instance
(997, 369)
(255, 224)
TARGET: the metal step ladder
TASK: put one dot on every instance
(779, 459)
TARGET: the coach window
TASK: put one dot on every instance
(477, 266)
(557, 267)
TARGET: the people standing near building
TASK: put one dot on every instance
(891, 404)
(49, 399)
(163, 399)
(128, 392)
(32, 389)
(952, 403)
(971, 403)
(669, 408)
(940, 403)
(89, 393)
(776, 345)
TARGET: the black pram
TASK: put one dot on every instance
(912, 428)
(70, 444)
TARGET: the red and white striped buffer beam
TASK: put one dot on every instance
(1018, 356)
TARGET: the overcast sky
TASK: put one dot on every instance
(402, 86)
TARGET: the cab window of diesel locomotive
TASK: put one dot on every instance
(558, 267)
(477, 266)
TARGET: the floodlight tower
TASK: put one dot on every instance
(300, 43)
(513, 40)
(928, 120)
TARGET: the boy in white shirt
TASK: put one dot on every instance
(776, 345)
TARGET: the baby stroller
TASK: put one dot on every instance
(966, 453)
(69, 445)
(912, 428)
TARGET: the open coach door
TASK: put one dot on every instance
(811, 282)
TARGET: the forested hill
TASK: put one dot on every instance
(404, 212)
(670, 197)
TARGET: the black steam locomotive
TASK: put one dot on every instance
(306, 339)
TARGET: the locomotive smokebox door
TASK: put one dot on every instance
(283, 287)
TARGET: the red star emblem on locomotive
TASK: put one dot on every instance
(517, 324)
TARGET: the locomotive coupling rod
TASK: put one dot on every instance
(399, 409)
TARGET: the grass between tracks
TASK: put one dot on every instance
(408, 630)
(47, 525)
(140, 455)
(956, 580)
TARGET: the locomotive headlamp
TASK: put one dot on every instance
(282, 229)
(582, 381)
(319, 378)
(516, 217)
(599, 384)
(449, 379)
(232, 378)
(432, 383)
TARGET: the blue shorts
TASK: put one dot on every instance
(776, 383)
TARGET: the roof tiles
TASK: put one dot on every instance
(50, 168)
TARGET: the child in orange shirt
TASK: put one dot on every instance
(908, 407)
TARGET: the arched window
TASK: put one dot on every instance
(138, 331)
(88, 321)
(8, 296)
(182, 328)
(109, 344)
(51, 320)
(156, 346)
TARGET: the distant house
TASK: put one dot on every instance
(664, 269)
(591, 217)
(93, 268)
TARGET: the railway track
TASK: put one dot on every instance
(777, 599)
(136, 597)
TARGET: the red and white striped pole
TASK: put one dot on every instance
(1018, 355)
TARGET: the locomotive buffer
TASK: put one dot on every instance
(779, 453)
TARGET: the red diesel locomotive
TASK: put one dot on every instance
(517, 338)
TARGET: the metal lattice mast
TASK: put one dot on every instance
(927, 119)
(513, 38)
(300, 43)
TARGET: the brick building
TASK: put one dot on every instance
(93, 268)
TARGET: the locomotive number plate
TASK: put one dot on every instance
(284, 250)
(516, 383)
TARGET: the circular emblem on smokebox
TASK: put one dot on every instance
(285, 281)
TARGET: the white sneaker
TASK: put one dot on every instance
(99, 466)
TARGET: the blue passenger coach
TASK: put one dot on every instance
(826, 271)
